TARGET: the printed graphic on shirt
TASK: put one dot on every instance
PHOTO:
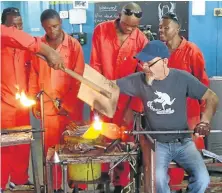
(164, 100)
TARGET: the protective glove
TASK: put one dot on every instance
(202, 128)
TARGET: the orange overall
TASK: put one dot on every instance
(15, 66)
(188, 57)
(58, 84)
(115, 61)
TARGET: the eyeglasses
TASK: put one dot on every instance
(150, 64)
(154, 62)
(130, 12)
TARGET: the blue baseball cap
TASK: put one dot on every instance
(153, 49)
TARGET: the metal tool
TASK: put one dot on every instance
(10, 131)
(100, 147)
(166, 132)
(113, 144)
(119, 161)
(212, 155)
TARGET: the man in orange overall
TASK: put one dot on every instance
(114, 44)
(57, 84)
(186, 56)
(15, 62)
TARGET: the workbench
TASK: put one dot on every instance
(20, 138)
(65, 157)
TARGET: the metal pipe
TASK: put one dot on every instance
(166, 132)
(8, 131)
(119, 161)
(43, 137)
(65, 173)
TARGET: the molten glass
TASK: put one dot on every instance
(91, 133)
(94, 130)
(24, 100)
(109, 130)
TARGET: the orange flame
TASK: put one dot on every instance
(24, 100)
(97, 124)
(94, 130)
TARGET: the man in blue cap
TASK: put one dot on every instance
(164, 91)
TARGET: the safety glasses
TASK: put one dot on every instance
(150, 64)
(12, 10)
(130, 12)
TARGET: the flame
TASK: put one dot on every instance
(24, 100)
(97, 124)
(94, 130)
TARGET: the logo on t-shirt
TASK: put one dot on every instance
(164, 101)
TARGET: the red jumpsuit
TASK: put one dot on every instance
(58, 84)
(15, 65)
(188, 57)
(115, 61)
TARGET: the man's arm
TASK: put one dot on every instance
(197, 90)
(212, 101)
(95, 60)
(12, 37)
(130, 85)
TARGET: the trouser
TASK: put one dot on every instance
(54, 127)
(187, 156)
(177, 174)
(14, 159)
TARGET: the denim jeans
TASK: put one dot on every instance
(187, 156)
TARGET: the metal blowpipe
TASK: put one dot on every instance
(9, 131)
(166, 132)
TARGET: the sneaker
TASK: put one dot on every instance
(27, 186)
(11, 185)
(1, 190)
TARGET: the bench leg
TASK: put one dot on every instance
(35, 168)
(107, 187)
(49, 177)
(65, 177)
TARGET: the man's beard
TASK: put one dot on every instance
(149, 80)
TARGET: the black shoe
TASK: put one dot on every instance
(118, 189)
(176, 191)
(76, 190)
(59, 191)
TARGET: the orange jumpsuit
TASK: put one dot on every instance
(58, 84)
(188, 57)
(115, 61)
(15, 65)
